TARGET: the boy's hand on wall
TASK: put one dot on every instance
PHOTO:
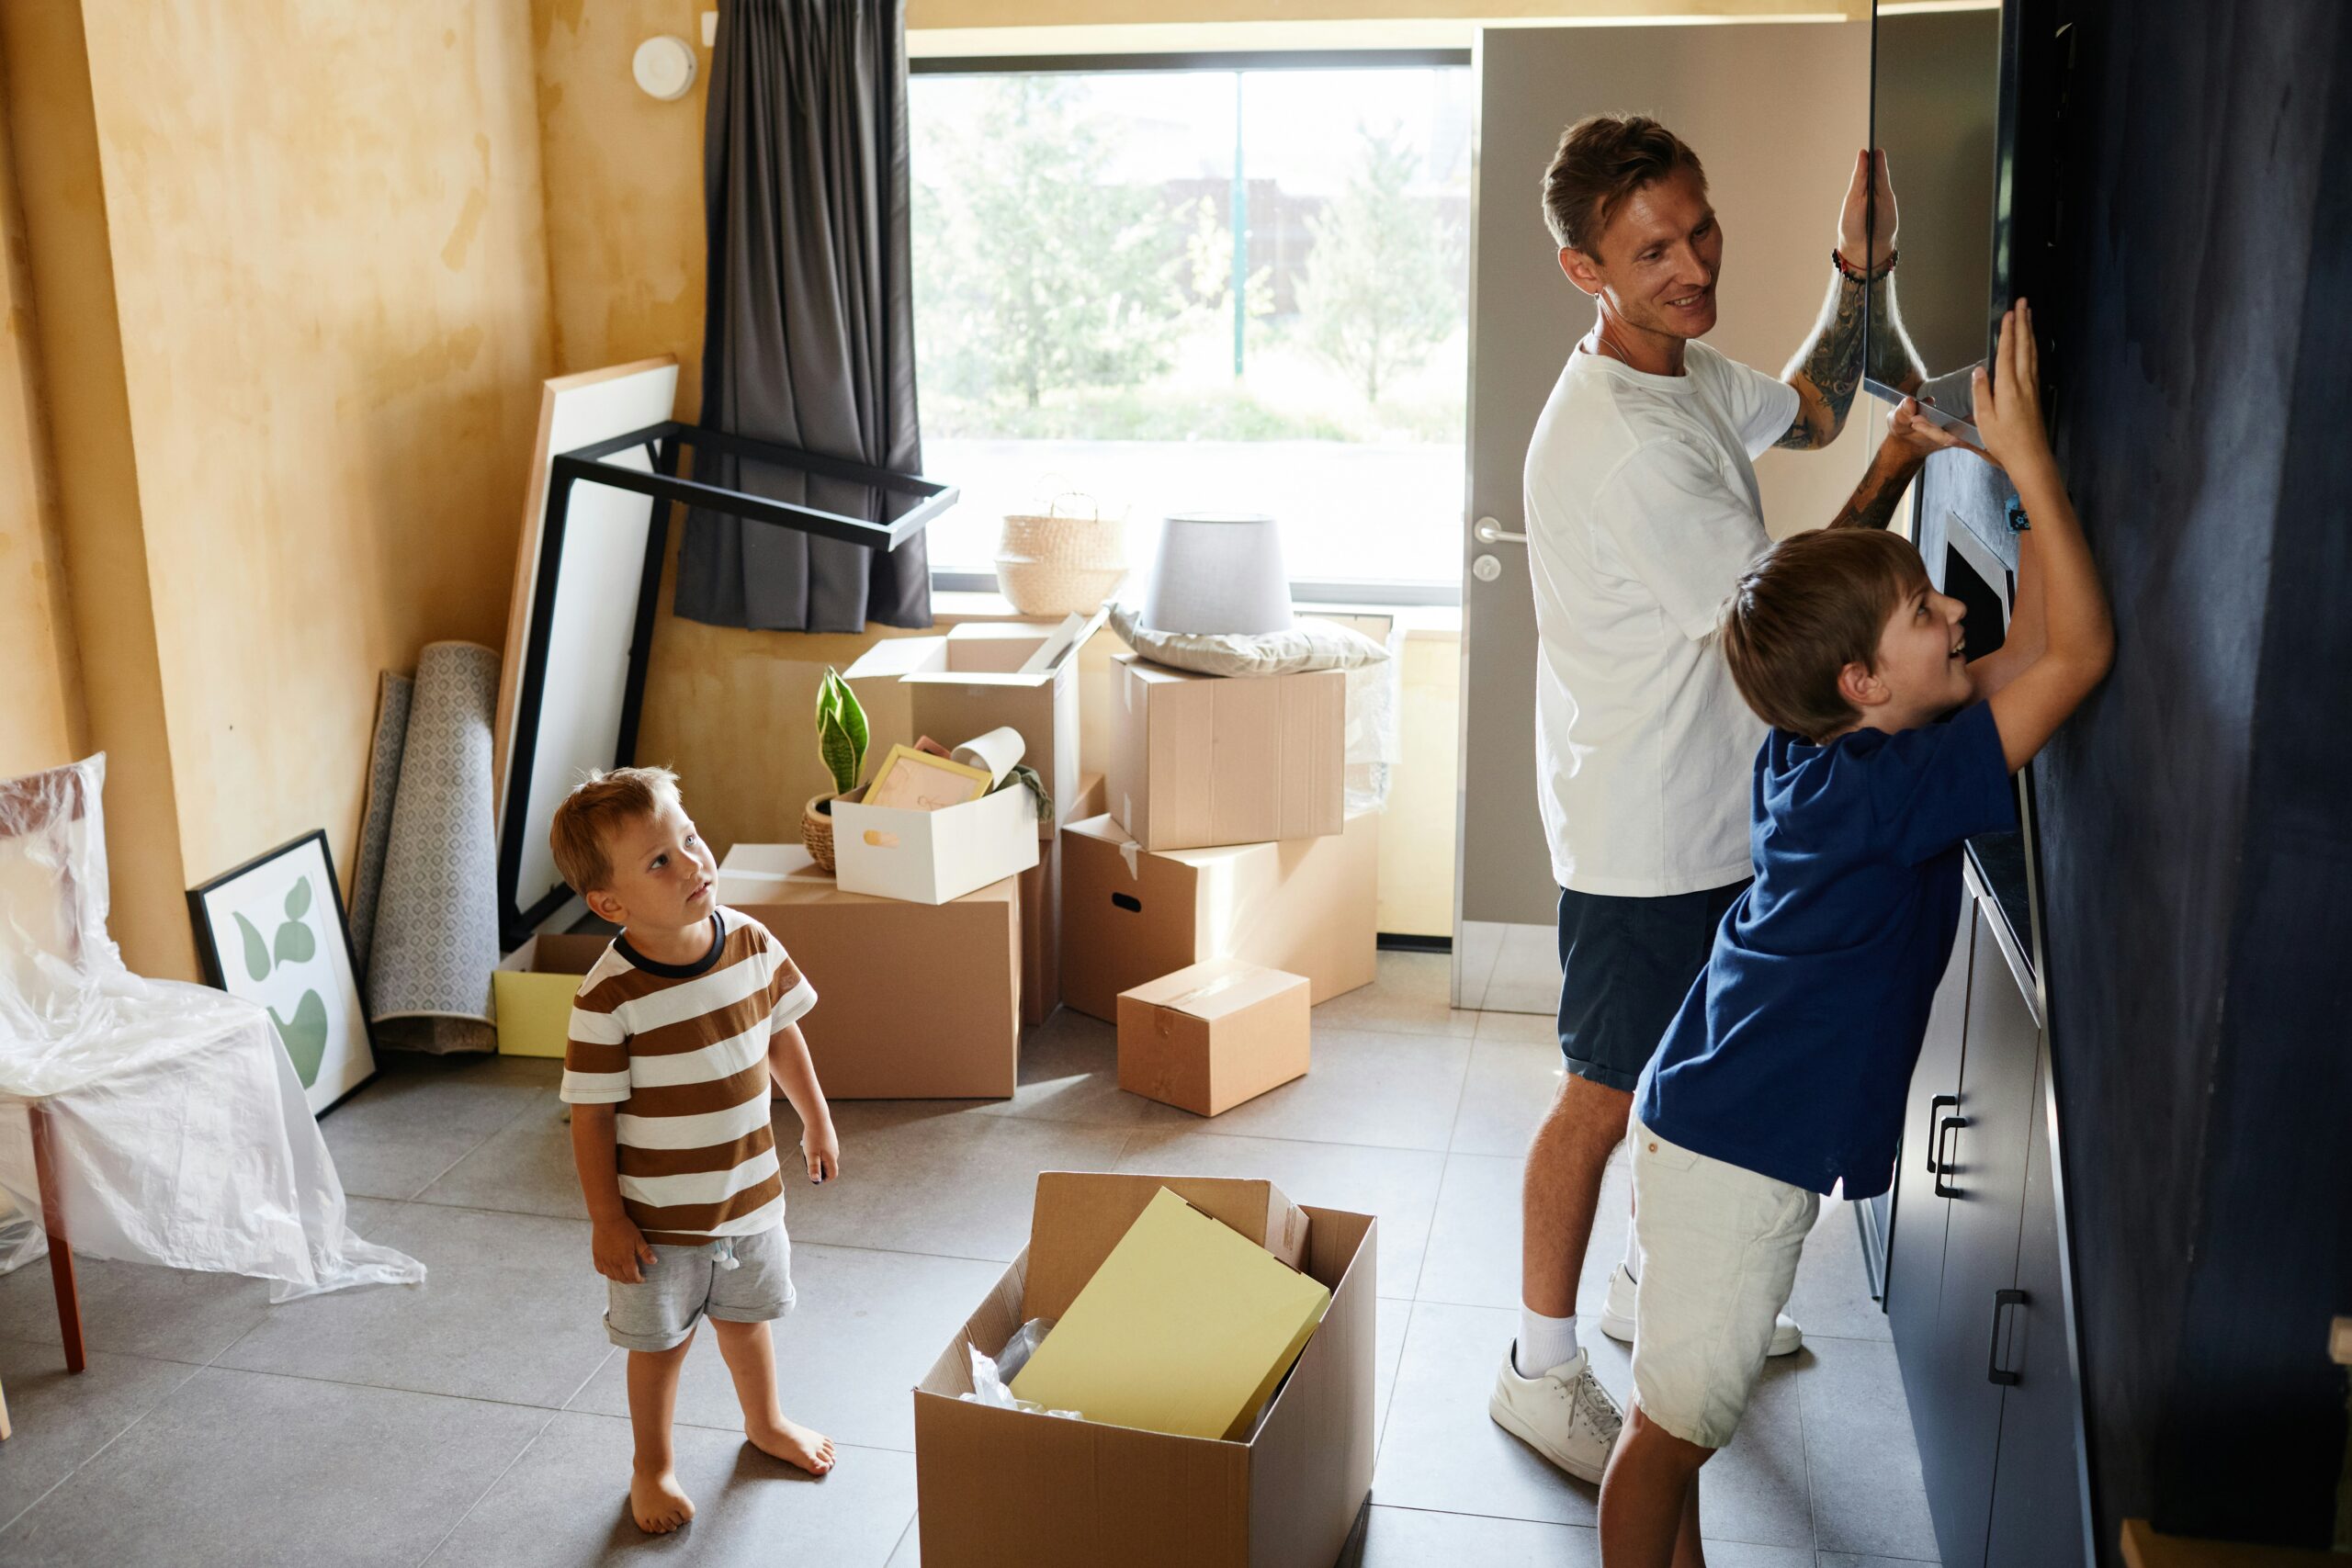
(620, 1248)
(2008, 395)
(822, 1149)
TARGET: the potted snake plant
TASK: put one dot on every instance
(841, 742)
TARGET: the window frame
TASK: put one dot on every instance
(1306, 591)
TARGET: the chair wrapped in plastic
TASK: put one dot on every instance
(147, 1120)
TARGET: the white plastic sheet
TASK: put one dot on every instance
(177, 1131)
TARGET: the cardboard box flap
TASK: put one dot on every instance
(989, 1330)
(998, 648)
(1080, 1216)
(897, 655)
(1219, 989)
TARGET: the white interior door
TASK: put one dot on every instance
(1775, 112)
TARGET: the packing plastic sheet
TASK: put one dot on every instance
(177, 1129)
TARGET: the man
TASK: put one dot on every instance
(1642, 512)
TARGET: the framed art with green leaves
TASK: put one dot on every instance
(273, 932)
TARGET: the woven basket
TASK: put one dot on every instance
(817, 826)
(1053, 565)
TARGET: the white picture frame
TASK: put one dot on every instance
(273, 932)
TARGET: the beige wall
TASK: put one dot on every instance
(289, 273)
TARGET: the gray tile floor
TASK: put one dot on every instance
(478, 1419)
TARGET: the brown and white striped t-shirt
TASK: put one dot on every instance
(681, 1051)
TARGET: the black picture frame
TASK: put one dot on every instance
(216, 973)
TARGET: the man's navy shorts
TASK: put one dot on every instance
(1626, 964)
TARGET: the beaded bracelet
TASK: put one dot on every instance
(1855, 273)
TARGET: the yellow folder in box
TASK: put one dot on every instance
(1186, 1327)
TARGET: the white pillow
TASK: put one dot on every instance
(1307, 645)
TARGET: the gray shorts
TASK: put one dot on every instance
(741, 1279)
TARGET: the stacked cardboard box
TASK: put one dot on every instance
(999, 1488)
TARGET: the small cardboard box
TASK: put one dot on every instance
(1308, 906)
(1210, 1037)
(1013, 1489)
(1041, 915)
(533, 986)
(1199, 761)
(1186, 1327)
(935, 857)
(914, 1001)
(970, 682)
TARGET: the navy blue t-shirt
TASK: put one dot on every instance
(1792, 1052)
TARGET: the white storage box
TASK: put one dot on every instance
(932, 857)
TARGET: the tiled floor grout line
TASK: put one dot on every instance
(900, 1544)
(74, 1470)
(433, 1551)
(1804, 1453)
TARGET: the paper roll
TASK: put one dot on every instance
(995, 752)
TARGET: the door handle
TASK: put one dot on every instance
(1993, 1371)
(1487, 531)
(1933, 1106)
(1944, 1130)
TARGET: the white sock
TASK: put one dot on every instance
(1632, 1253)
(1543, 1343)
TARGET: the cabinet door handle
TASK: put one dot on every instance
(1993, 1371)
(1933, 1106)
(1944, 1130)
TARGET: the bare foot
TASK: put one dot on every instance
(659, 1504)
(793, 1443)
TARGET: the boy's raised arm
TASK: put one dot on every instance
(2057, 583)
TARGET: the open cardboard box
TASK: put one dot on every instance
(1308, 906)
(970, 682)
(533, 986)
(1013, 1489)
(914, 1001)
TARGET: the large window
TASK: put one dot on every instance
(1203, 289)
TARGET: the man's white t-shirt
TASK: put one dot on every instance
(1641, 513)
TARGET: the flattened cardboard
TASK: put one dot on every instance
(914, 1001)
(1041, 915)
(1212, 1035)
(935, 857)
(1079, 1216)
(1185, 1327)
(1201, 760)
(1308, 906)
(533, 986)
(1010, 1489)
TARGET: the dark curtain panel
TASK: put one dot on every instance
(809, 336)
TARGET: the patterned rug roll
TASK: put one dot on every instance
(433, 920)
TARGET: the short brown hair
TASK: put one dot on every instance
(599, 806)
(1601, 161)
(1810, 606)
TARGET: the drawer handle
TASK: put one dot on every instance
(1933, 1106)
(1942, 1168)
(1993, 1371)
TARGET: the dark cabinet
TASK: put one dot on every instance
(1976, 1279)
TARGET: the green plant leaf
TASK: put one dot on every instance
(297, 898)
(305, 1038)
(256, 953)
(841, 732)
(295, 943)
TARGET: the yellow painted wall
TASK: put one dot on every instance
(41, 719)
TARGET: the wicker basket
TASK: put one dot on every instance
(817, 826)
(1054, 565)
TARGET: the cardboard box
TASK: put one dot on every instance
(914, 1001)
(1186, 1327)
(1013, 1489)
(1041, 913)
(1308, 906)
(934, 857)
(1210, 1037)
(970, 682)
(1199, 761)
(533, 986)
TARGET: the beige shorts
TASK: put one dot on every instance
(742, 1279)
(1719, 1257)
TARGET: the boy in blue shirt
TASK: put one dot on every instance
(1784, 1073)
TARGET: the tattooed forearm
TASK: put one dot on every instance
(1828, 369)
(1873, 502)
(1893, 362)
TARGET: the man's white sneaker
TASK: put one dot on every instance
(1565, 1415)
(1617, 1318)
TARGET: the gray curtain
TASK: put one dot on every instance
(808, 335)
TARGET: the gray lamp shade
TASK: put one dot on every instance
(1218, 572)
